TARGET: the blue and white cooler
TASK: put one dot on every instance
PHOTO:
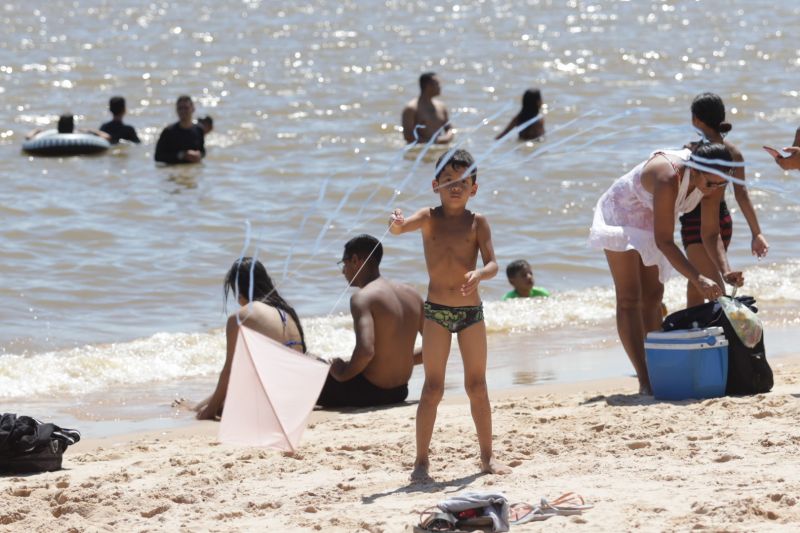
(689, 363)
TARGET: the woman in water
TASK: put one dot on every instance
(634, 223)
(708, 117)
(262, 310)
(531, 106)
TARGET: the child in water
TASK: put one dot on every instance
(452, 236)
(520, 276)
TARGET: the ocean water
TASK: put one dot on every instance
(112, 267)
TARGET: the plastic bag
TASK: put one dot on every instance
(745, 322)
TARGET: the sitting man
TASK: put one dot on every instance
(115, 128)
(427, 111)
(184, 141)
(386, 319)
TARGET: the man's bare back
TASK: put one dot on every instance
(396, 311)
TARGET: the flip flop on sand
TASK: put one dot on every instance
(522, 513)
(567, 504)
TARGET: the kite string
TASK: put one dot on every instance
(483, 122)
(350, 282)
(444, 159)
(483, 156)
(544, 149)
(393, 164)
(349, 191)
(239, 262)
(558, 128)
(444, 162)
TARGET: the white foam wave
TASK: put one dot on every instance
(775, 286)
(168, 356)
(88, 369)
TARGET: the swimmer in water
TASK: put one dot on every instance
(520, 276)
(66, 124)
(427, 111)
(531, 106)
(183, 141)
(115, 128)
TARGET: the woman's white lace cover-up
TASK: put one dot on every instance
(623, 218)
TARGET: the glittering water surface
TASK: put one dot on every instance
(108, 261)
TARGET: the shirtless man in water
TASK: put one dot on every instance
(427, 111)
(386, 318)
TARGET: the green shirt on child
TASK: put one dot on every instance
(535, 291)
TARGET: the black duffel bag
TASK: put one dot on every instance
(748, 369)
(28, 445)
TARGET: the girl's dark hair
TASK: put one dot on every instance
(237, 282)
(531, 105)
(709, 109)
(713, 151)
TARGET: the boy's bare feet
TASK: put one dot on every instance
(493, 466)
(645, 390)
(420, 473)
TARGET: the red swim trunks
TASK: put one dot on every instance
(690, 226)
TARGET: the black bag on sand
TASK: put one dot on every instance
(27, 445)
(748, 369)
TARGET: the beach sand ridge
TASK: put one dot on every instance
(724, 464)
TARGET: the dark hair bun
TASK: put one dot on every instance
(724, 127)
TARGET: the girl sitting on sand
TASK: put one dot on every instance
(634, 223)
(531, 106)
(262, 310)
(708, 117)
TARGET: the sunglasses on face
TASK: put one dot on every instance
(340, 262)
(715, 184)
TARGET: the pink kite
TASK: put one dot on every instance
(271, 393)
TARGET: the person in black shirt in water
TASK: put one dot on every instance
(184, 141)
(114, 127)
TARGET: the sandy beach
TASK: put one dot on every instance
(726, 464)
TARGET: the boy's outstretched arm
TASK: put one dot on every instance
(489, 269)
(399, 224)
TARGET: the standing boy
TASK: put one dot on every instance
(452, 236)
